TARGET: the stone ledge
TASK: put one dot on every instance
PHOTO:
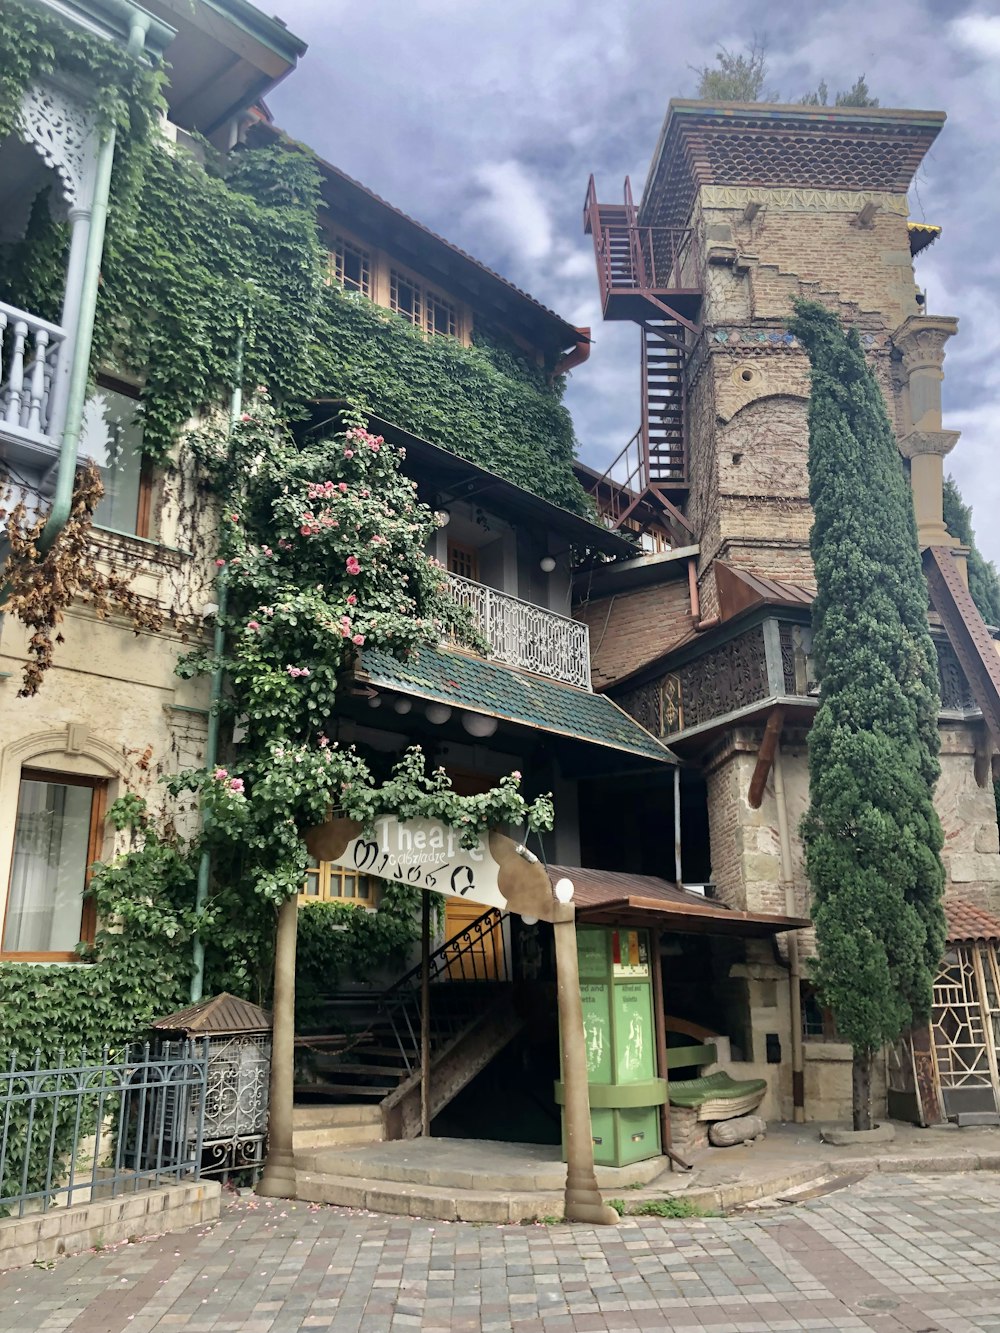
(44, 1236)
(842, 1137)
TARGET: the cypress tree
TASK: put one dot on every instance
(871, 833)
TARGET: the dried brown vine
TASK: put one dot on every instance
(40, 585)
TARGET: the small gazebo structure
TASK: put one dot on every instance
(235, 1038)
(949, 1068)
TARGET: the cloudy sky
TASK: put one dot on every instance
(484, 121)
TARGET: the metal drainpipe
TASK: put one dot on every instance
(77, 393)
(212, 736)
(794, 965)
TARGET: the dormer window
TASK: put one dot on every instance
(351, 266)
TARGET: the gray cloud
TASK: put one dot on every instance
(484, 121)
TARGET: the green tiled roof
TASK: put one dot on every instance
(503, 692)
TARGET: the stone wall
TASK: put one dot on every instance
(112, 706)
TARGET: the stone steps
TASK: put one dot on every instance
(317, 1127)
(454, 1179)
(411, 1200)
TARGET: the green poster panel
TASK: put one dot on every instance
(593, 951)
(634, 1037)
(597, 1032)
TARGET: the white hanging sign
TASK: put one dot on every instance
(427, 854)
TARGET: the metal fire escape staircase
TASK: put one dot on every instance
(645, 275)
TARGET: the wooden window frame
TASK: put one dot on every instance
(95, 846)
(326, 872)
(416, 317)
(432, 300)
(144, 503)
(467, 553)
(341, 244)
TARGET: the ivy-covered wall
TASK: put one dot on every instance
(200, 260)
(195, 254)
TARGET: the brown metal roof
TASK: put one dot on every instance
(966, 922)
(222, 1015)
(614, 897)
(739, 588)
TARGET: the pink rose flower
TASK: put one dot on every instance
(353, 565)
(358, 639)
(253, 624)
(348, 453)
(220, 562)
(236, 784)
(342, 488)
(351, 599)
(221, 774)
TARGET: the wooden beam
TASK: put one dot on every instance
(765, 757)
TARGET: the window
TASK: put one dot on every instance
(330, 883)
(111, 436)
(404, 297)
(817, 1023)
(463, 560)
(351, 266)
(57, 837)
(440, 316)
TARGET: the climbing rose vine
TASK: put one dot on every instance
(322, 554)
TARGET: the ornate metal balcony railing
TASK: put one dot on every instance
(30, 349)
(523, 635)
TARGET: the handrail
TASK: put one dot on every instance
(401, 1002)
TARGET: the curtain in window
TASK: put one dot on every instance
(48, 872)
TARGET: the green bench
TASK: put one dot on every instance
(715, 1096)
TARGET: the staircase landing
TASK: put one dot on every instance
(472, 1180)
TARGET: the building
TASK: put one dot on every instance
(744, 209)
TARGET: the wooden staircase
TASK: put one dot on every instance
(377, 1065)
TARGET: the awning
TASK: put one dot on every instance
(463, 681)
(615, 898)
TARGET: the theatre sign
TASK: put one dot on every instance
(427, 854)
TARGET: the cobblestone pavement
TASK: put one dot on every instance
(917, 1253)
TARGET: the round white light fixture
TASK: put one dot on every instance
(564, 890)
(403, 705)
(442, 517)
(547, 563)
(375, 701)
(477, 724)
(529, 920)
(438, 714)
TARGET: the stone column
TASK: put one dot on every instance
(583, 1198)
(920, 340)
(278, 1178)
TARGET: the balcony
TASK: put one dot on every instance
(523, 635)
(30, 353)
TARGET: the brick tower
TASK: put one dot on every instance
(745, 208)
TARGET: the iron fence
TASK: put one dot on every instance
(93, 1128)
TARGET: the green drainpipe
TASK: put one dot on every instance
(212, 738)
(80, 373)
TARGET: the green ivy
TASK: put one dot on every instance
(984, 585)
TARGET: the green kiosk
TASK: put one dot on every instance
(625, 1094)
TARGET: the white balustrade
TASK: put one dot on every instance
(523, 635)
(30, 349)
